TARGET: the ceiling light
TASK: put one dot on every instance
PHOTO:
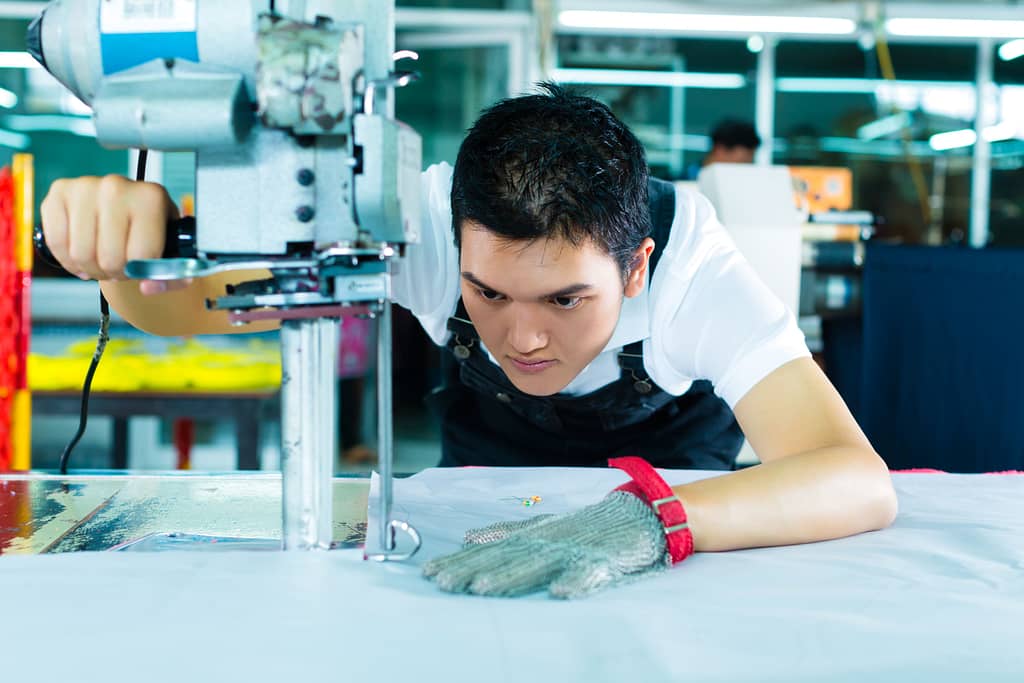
(75, 125)
(18, 60)
(755, 44)
(953, 139)
(1011, 50)
(1000, 131)
(868, 86)
(8, 99)
(955, 28)
(698, 23)
(967, 137)
(669, 79)
(14, 140)
(887, 125)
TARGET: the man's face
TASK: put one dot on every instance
(544, 309)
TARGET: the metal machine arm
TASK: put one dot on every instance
(300, 170)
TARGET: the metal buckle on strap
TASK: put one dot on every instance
(656, 505)
(665, 501)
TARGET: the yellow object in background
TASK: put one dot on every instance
(186, 366)
(21, 430)
(24, 207)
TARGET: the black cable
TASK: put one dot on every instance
(101, 344)
(83, 417)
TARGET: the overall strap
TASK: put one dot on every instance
(631, 366)
(464, 336)
(661, 200)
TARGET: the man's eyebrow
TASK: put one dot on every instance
(476, 281)
(565, 291)
(568, 291)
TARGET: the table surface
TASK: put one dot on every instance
(939, 597)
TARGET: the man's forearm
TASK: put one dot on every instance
(813, 496)
(180, 312)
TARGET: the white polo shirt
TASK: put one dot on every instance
(705, 315)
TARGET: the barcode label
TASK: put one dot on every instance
(147, 16)
(148, 9)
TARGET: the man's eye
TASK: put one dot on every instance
(567, 302)
(490, 295)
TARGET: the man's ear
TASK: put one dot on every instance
(636, 279)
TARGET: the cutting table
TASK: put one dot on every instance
(937, 597)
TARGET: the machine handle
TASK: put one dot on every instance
(180, 243)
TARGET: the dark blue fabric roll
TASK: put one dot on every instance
(942, 379)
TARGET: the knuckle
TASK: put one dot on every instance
(57, 187)
(153, 194)
(110, 186)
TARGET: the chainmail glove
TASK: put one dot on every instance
(572, 555)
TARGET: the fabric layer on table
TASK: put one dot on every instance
(939, 595)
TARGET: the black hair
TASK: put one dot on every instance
(553, 164)
(735, 133)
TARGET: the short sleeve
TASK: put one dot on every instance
(426, 279)
(712, 316)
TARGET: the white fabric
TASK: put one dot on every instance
(939, 597)
(706, 315)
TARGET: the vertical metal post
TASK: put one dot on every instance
(385, 444)
(940, 170)
(981, 177)
(544, 41)
(765, 116)
(294, 9)
(309, 430)
(677, 123)
(518, 64)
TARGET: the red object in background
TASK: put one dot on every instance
(23, 311)
(15, 511)
(354, 347)
(184, 435)
(8, 317)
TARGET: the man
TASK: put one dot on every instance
(587, 312)
(733, 142)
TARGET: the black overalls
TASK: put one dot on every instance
(485, 420)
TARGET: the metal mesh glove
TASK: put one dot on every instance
(571, 555)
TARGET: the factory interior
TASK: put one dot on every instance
(336, 329)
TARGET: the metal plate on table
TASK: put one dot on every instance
(47, 514)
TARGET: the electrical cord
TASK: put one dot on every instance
(101, 344)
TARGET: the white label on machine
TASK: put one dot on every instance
(352, 288)
(147, 16)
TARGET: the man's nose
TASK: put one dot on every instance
(526, 334)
